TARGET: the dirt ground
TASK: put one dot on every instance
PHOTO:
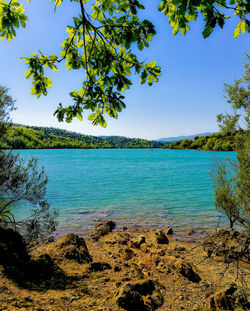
(130, 270)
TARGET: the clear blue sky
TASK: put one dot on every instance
(185, 101)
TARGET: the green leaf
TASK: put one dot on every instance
(53, 57)
(28, 73)
(241, 28)
(151, 64)
(92, 116)
(79, 116)
(150, 80)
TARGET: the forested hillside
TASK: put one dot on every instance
(32, 137)
(215, 142)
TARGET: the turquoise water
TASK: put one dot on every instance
(159, 187)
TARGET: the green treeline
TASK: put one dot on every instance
(33, 137)
(215, 142)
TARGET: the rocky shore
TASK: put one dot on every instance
(125, 270)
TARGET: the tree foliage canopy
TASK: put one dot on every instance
(100, 42)
(238, 96)
(21, 137)
(6, 106)
(222, 141)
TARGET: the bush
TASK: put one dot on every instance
(22, 182)
(231, 181)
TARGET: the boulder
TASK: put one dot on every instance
(141, 295)
(129, 299)
(160, 237)
(123, 238)
(102, 228)
(44, 273)
(230, 298)
(186, 270)
(13, 253)
(127, 254)
(169, 230)
(72, 247)
(98, 266)
(137, 242)
(144, 248)
(28, 272)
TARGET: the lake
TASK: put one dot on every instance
(148, 187)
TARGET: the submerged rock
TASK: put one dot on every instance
(102, 228)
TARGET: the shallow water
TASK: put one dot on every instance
(159, 187)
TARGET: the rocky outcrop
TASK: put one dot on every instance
(72, 247)
(142, 295)
(102, 228)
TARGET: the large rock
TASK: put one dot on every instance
(230, 298)
(71, 246)
(137, 242)
(98, 266)
(142, 295)
(186, 270)
(169, 231)
(127, 254)
(13, 253)
(160, 237)
(102, 228)
(129, 299)
(32, 273)
(44, 273)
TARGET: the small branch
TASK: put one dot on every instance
(225, 6)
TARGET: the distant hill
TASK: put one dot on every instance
(178, 138)
(36, 137)
(214, 142)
